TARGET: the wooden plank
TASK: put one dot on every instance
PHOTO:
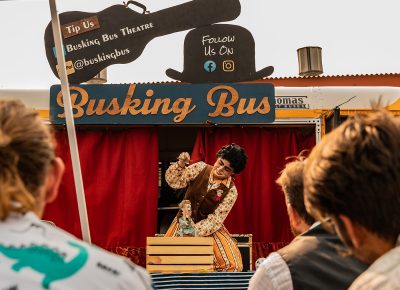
(178, 268)
(168, 260)
(180, 241)
(179, 250)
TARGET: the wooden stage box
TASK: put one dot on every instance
(245, 244)
(179, 254)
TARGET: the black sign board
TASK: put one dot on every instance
(166, 104)
(118, 34)
(219, 53)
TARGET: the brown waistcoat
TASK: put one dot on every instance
(203, 202)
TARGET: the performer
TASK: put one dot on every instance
(212, 194)
(186, 224)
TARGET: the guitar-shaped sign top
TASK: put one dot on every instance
(118, 34)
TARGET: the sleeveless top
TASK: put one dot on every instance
(316, 260)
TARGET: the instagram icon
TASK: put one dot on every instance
(228, 65)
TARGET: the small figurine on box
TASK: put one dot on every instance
(186, 224)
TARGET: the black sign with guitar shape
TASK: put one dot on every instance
(118, 34)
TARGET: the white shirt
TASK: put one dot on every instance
(383, 274)
(273, 273)
(35, 255)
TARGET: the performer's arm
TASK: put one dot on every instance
(178, 176)
(214, 221)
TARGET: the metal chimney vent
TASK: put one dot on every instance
(310, 61)
(100, 78)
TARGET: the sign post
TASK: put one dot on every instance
(80, 194)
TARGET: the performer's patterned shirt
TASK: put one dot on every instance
(179, 177)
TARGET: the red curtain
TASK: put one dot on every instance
(260, 208)
(120, 177)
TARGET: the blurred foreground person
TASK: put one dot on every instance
(34, 254)
(313, 260)
(352, 180)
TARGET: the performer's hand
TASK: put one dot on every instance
(183, 159)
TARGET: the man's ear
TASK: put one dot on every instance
(298, 225)
(295, 217)
(53, 179)
(354, 231)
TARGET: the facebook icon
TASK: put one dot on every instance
(210, 66)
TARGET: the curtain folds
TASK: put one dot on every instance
(261, 250)
(120, 178)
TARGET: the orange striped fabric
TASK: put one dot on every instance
(173, 228)
(227, 257)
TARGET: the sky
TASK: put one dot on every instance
(356, 37)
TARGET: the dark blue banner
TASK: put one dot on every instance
(166, 104)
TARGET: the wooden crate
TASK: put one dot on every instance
(179, 254)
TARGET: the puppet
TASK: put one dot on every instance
(186, 224)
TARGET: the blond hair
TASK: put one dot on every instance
(26, 150)
(183, 202)
(291, 182)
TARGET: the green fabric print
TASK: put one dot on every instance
(47, 261)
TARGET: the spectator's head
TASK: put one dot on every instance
(30, 173)
(352, 180)
(235, 155)
(291, 182)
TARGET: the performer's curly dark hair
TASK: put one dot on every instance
(235, 155)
